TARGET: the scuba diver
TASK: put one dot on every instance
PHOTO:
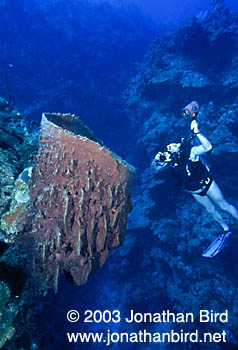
(194, 176)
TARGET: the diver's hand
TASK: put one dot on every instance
(194, 127)
(158, 165)
(158, 155)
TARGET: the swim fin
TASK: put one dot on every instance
(216, 246)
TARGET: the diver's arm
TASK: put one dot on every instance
(158, 166)
(205, 146)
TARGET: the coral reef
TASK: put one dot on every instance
(180, 67)
(160, 263)
(93, 202)
(79, 201)
(18, 145)
(8, 311)
(20, 196)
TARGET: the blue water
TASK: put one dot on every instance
(79, 57)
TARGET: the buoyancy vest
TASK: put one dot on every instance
(193, 176)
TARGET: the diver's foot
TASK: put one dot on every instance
(217, 245)
(227, 233)
(226, 228)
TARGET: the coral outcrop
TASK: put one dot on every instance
(20, 196)
(79, 202)
(18, 144)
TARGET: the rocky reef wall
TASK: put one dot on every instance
(196, 62)
(18, 146)
(199, 61)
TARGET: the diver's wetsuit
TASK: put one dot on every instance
(194, 176)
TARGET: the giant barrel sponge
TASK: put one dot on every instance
(79, 202)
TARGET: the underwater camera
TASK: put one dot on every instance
(191, 110)
(169, 155)
(162, 158)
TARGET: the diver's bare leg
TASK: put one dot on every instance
(214, 193)
(209, 206)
